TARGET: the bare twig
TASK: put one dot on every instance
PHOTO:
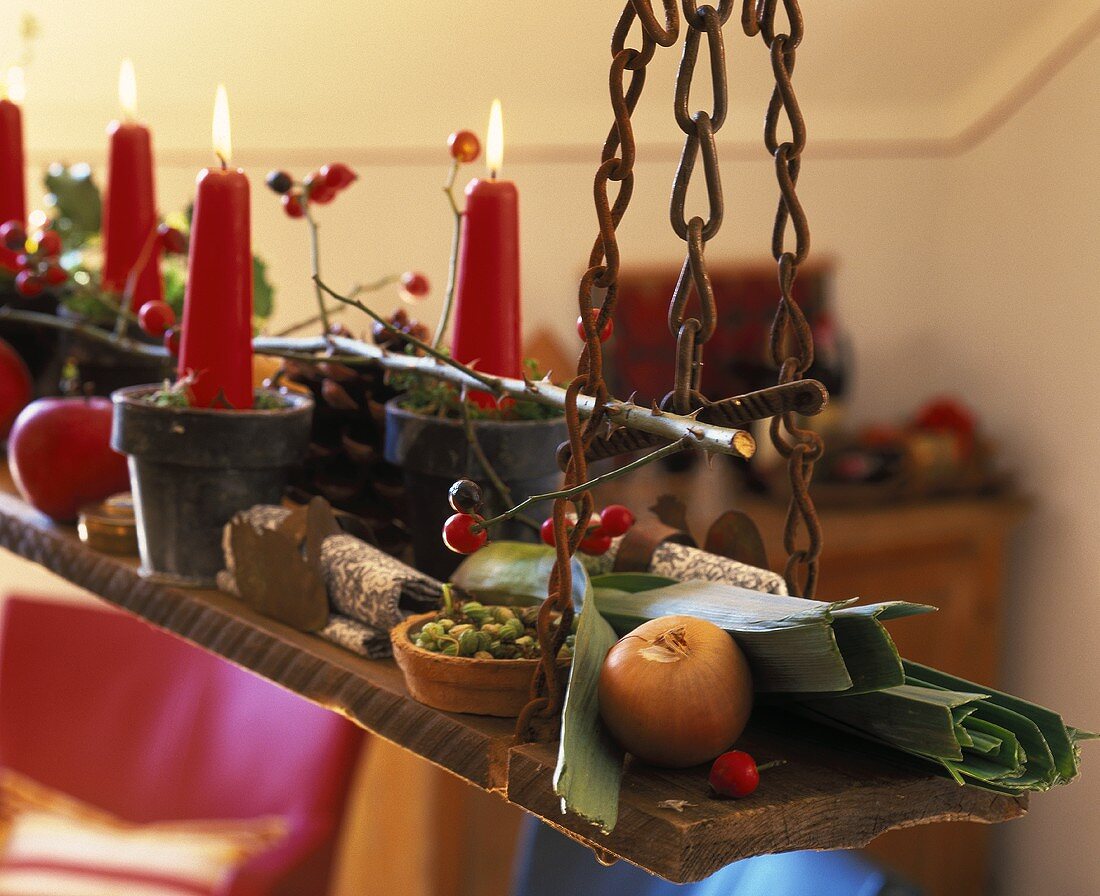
(452, 265)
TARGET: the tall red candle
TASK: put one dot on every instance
(216, 347)
(488, 320)
(13, 190)
(130, 205)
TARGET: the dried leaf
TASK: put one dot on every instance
(674, 805)
(274, 580)
(736, 536)
(671, 511)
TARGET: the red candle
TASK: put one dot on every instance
(130, 205)
(13, 198)
(216, 346)
(488, 323)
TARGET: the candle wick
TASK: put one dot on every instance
(221, 159)
(492, 174)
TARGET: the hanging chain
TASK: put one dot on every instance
(792, 345)
(617, 166)
(693, 332)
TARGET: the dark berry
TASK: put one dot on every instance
(465, 496)
(28, 284)
(459, 534)
(13, 235)
(280, 181)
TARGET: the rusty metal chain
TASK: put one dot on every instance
(616, 166)
(693, 330)
(792, 345)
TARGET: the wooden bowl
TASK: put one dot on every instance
(462, 683)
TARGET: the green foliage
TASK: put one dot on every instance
(263, 293)
(76, 203)
(427, 395)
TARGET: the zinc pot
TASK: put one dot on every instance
(433, 452)
(192, 469)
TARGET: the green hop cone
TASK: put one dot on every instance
(469, 643)
(502, 614)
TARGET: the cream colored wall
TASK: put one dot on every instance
(973, 274)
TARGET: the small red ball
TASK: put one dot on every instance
(616, 520)
(734, 774)
(13, 235)
(595, 543)
(546, 531)
(415, 284)
(605, 333)
(464, 146)
(292, 205)
(49, 243)
(173, 240)
(318, 190)
(25, 261)
(172, 342)
(55, 275)
(459, 536)
(156, 317)
(338, 176)
(28, 284)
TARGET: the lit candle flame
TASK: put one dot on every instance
(127, 88)
(223, 145)
(494, 143)
(14, 86)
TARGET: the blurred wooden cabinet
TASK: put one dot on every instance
(950, 554)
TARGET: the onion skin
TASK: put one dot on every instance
(676, 692)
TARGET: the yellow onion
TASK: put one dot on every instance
(676, 691)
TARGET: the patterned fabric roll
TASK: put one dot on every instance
(357, 637)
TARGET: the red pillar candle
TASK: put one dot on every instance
(488, 321)
(130, 205)
(216, 345)
(13, 190)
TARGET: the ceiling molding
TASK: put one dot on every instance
(999, 112)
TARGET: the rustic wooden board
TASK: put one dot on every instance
(831, 793)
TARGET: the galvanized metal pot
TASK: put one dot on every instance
(434, 452)
(191, 469)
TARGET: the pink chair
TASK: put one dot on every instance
(132, 720)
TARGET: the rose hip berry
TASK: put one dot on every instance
(13, 235)
(338, 176)
(595, 544)
(49, 243)
(28, 284)
(292, 205)
(172, 342)
(465, 496)
(605, 333)
(173, 241)
(616, 520)
(734, 774)
(415, 285)
(280, 181)
(156, 317)
(317, 189)
(465, 146)
(459, 536)
(546, 531)
(55, 275)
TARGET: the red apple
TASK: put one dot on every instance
(16, 389)
(61, 457)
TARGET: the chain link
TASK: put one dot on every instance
(792, 344)
(616, 166)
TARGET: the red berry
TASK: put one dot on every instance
(338, 175)
(23, 260)
(13, 235)
(546, 531)
(464, 146)
(172, 342)
(415, 285)
(292, 205)
(734, 774)
(173, 241)
(28, 284)
(49, 243)
(605, 333)
(317, 189)
(55, 275)
(616, 520)
(156, 317)
(595, 543)
(459, 536)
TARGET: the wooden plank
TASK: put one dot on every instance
(831, 793)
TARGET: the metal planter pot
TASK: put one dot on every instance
(191, 469)
(433, 453)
